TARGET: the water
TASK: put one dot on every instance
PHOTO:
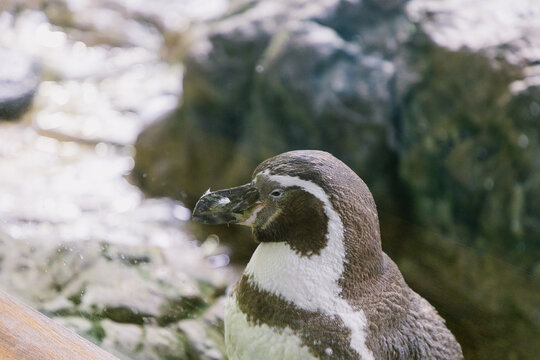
(65, 165)
(70, 220)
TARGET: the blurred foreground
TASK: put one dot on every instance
(77, 240)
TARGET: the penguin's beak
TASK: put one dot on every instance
(229, 206)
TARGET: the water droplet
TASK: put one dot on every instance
(259, 68)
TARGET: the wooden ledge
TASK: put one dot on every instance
(26, 334)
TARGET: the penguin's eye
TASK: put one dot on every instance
(276, 193)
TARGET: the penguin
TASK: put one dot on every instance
(318, 285)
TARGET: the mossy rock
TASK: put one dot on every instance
(259, 83)
(470, 153)
(444, 139)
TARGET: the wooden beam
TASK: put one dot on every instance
(26, 334)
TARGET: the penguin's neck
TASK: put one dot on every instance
(311, 283)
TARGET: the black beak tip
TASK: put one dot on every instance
(205, 213)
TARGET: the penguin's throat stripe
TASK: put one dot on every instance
(252, 217)
(316, 329)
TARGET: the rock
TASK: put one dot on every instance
(500, 28)
(79, 325)
(468, 156)
(124, 23)
(203, 338)
(490, 304)
(115, 291)
(19, 79)
(145, 343)
(130, 290)
(125, 338)
(206, 336)
(475, 154)
(166, 343)
(104, 110)
(388, 4)
(127, 299)
(77, 240)
(440, 119)
(313, 82)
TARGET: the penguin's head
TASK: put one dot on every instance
(301, 198)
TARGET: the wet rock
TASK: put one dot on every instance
(490, 304)
(77, 324)
(309, 84)
(124, 22)
(124, 298)
(126, 338)
(470, 162)
(77, 240)
(145, 343)
(120, 295)
(468, 156)
(310, 88)
(165, 343)
(206, 336)
(498, 28)
(111, 110)
(440, 118)
(203, 338)
(19, 79)
(274, 77)
(388, 4)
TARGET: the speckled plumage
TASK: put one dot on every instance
(319, 286)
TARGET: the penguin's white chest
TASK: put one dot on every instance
(246, 341)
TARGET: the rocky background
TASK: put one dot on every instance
(435, 104)
(78, 82)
